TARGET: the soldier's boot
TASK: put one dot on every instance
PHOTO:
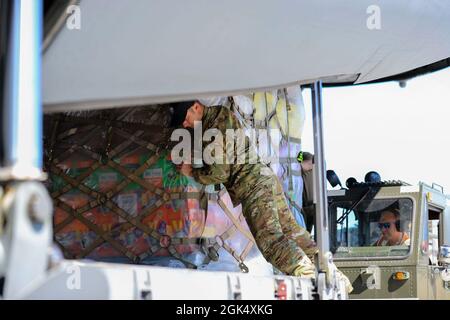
(305, 269)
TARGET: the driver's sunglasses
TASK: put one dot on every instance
(385, 225)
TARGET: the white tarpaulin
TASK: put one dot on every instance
(142, 52)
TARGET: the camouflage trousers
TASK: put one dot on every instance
(278, 236)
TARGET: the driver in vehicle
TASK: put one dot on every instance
(391, 233)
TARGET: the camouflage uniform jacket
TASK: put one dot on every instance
(233, 174)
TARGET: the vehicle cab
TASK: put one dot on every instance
(390, 239)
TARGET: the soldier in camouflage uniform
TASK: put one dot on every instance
(253, 184)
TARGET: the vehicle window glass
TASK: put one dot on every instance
(380, 227)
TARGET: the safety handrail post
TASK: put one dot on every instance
(320, 182)
(22, 104)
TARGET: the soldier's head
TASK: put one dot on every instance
(187, 113)
(194, 113)
(389, 225)
(308, 161)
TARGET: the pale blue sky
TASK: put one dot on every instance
(402, 133)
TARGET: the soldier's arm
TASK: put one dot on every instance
(217, 173)
(212, 174)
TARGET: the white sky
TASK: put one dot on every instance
(402, 133)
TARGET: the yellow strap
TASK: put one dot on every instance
(236, 222)
(247, 249)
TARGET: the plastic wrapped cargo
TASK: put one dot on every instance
(119, 197)
(177, 218)
(278, 117)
